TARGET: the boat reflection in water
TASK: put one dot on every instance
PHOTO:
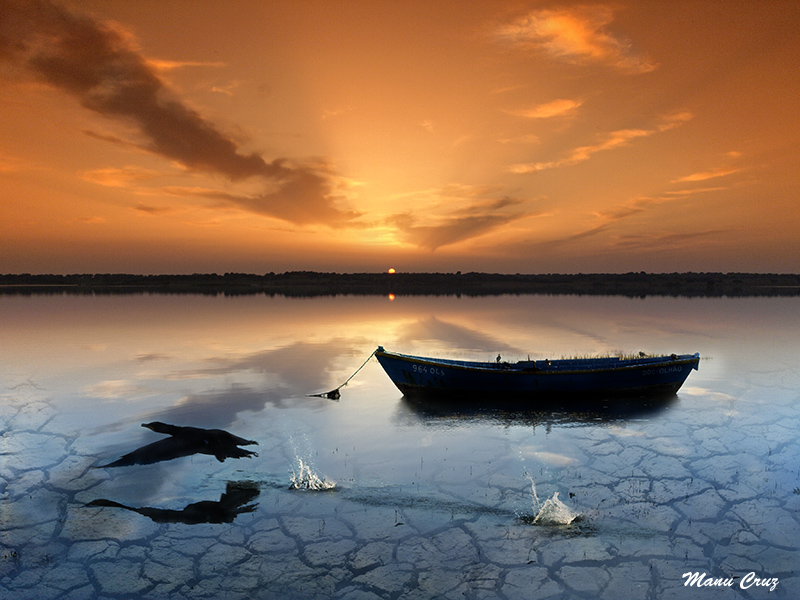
(510, 411)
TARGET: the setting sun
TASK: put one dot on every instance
(391, 270)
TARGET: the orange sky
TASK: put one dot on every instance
(250, 135)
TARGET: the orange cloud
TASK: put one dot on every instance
(556, 108)
(168, 65)
(638, 205)
(520, 139)
(675, 120)
(712, 174)
(577, 35)
(695, 191)
(113, 177)
(610, 141)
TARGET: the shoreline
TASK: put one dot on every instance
(311, 283)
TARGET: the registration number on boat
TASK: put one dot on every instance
(428, 370)
(662, 371)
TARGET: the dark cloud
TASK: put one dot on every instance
(650, 242)
(303, 197)
(150, 210)
(99, 64)
(549, 246)
(450, 231)
(472, 221)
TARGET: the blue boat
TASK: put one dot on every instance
(612, 377)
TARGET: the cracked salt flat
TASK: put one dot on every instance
(425, 505)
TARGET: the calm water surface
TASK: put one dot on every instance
(396, 500)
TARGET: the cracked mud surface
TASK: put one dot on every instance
(652, 509)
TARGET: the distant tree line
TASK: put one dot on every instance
(311, 283)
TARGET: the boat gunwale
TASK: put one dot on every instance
(511, 368)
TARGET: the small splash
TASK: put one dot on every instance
(552, 511)
(304, 478)
(555, 512)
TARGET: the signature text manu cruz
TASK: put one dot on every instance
(750, 580)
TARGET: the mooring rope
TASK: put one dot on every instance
(334, 393)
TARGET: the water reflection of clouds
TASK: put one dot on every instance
(220, 408)
(550, 458)
(451, 334)
(283, 377)
(584, 333)
(117, 388)
(623, 432)
(709, 394)
(153, 356)
(280, 376)
(300, 367)
(568, 328)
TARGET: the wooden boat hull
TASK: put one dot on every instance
(417, 376)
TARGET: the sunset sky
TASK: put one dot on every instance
(155, 136)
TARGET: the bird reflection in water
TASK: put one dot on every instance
(233, 502)
(185, 441)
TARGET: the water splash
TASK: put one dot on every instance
(552, 511)
(555, 512)
(304, 478)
